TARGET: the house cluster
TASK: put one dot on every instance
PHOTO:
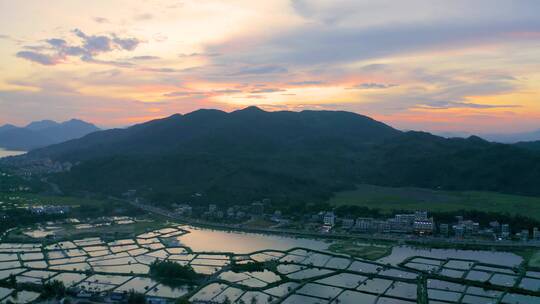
(464, 228)
(418, 222)
(235, 212)
(49, 209)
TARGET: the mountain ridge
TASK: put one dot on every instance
(42, 133)
(287, 156)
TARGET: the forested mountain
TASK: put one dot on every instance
(290, 156)
(42, 133)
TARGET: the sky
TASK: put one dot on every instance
(438, 66)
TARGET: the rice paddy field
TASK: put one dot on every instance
(285, 274)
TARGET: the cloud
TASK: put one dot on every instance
(267, 90)
(101, 20)
(143, 17)
(198, 55)
(162, 70)
(444, 105)
(305, 83)
(227, 91)
(346, 31)
(58, 49)
(145, 57)
(257, 70)
(373, 85)
(38, 57)
(202, 93)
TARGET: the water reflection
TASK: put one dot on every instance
(203, 239)
(5, 153)
(400, 253)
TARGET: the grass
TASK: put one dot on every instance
(388, 199)
(534, 259)
(361, 250)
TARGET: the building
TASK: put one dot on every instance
(424, 226)
(536, 233)
(524, 235)
(381, 226)
(212, 208)
(347, 223)
(257, 208)
(230, 212)
(505, 231)
(363, 224)
(49, 209)
(420, 215)
(444, 229)
(185, 210)
(459, 231)
(495, 226)
(329, 218)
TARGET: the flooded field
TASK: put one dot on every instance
(290, 270)
(202, 239)
(400, 253)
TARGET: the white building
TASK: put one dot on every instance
(329, 219)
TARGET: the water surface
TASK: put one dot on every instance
(203, 239)
(400, 253)
(4, 152)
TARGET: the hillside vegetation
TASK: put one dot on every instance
(286, 156)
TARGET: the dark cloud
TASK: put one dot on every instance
(56, 42)
(267, 90)
(143, 58)
(329, 43)
(92, 46)
(257, 70)
(227, 91)
(162, 70)
(37, 57)
(373, 85)
(101, 20)
(375, 67)
(305, 83)
(128, 44)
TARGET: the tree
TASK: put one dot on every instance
(136, 298)
(53, 289)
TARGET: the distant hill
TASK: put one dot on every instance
(287, 156)
(506, 138)
(42, 133)
(514, 137)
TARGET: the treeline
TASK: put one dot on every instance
(171, 273)
(22, 217)
(516, 222)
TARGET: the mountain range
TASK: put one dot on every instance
(42, 133)
(507, 138)
(286, 156)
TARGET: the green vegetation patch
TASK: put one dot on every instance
(534, 259)
(389, 198)
(361, 250)
(171, 273)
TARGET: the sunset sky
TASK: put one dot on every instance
(427, 65)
